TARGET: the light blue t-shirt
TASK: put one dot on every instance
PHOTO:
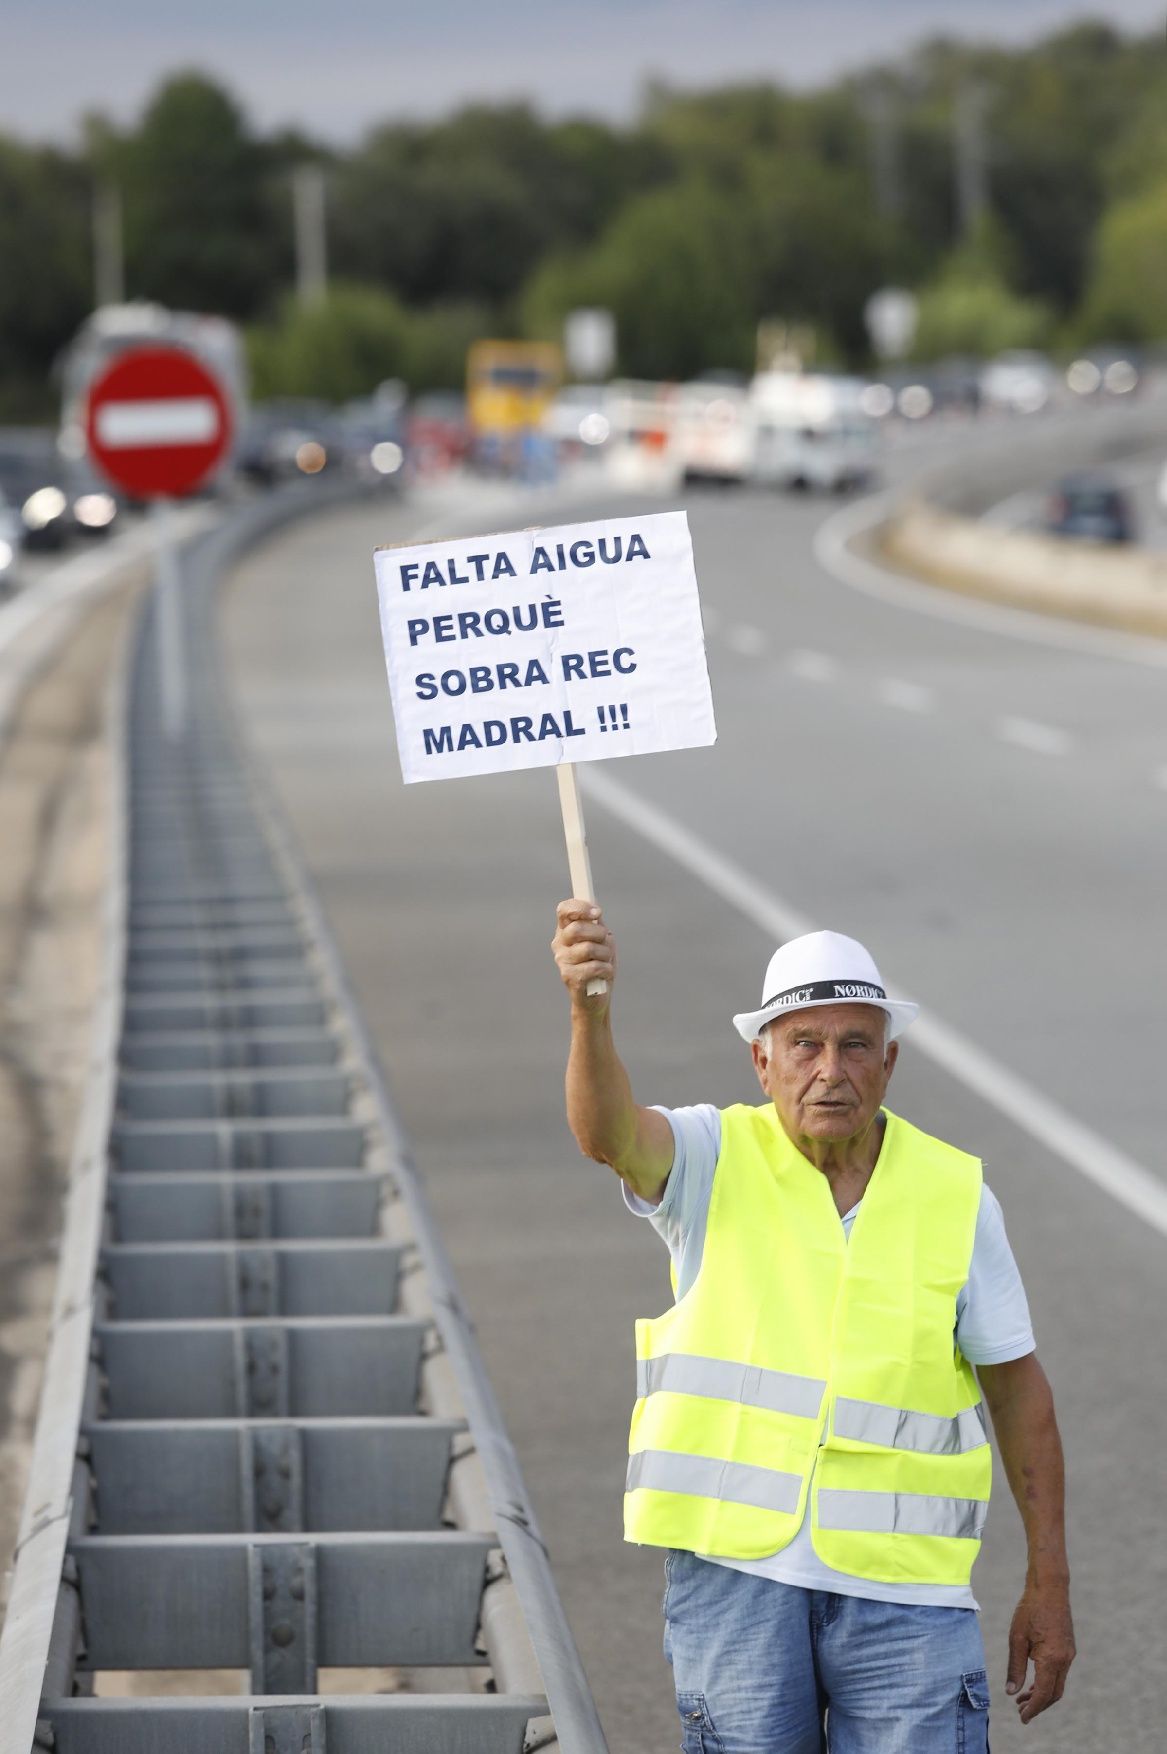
(992, 1327)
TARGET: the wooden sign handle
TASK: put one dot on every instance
(575, 834)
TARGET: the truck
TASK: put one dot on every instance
(714, 431)
(811, 432)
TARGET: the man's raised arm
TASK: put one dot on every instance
(608, 1124)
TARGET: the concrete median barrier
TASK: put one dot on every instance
(1117, 588)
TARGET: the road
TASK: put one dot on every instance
(987, 813)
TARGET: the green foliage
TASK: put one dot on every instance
(713, 210)
(337, 348)
(44, 289)
(969, 309)
(199, 224)
(1127, 297)
(677, 270)
(465, 208)
(819, 248)
(344, 345)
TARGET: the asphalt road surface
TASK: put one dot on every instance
(987, 813)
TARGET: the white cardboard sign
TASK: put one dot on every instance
(544, 646)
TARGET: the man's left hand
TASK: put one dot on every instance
(1043, 1631)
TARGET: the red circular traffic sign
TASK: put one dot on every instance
(158, 422)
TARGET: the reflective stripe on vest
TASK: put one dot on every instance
(700, 1477)
(682, 1373)
(898, 1428)
(901, 1513)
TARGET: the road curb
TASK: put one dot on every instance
(1125, 590)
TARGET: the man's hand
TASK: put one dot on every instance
(1022, 1409)
(585, 951)
(1042, 1630)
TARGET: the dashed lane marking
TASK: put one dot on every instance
(813, 666)
(910, 697)
(1092, 1155)
(745, 640)
(1028, 734)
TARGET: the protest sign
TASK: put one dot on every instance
(544, 647)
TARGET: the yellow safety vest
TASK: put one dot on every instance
(799, 1361)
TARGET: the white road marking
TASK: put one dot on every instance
(910, 697)
(1093, 1156)
(1028, 734)
(834, 555)
(747, 641)
(812, 666)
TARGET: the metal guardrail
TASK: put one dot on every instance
(267, 1444)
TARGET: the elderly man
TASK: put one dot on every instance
(809, 1440)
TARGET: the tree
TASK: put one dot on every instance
(201, 230)
(969, 307)
(1127, 297)
(45, 287)
(342, 346)
(676, 269)
(820, 248)
(466, 209)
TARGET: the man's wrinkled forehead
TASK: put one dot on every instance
(823, 1021)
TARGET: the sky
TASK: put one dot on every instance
(337, 67)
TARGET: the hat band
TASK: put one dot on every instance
(818, 991)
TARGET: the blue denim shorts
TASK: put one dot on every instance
(762, 1667)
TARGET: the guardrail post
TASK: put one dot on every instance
(281, 1579)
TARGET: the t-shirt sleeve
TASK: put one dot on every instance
(992, 1313)
(696, 1146)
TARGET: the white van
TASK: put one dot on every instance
(810, 431)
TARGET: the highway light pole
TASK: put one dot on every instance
(879, 110)
(308, 207)
(109, 281)
(971, 158)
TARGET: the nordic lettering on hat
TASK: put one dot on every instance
(822, 968)
(824, 991)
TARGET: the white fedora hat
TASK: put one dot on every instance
(822, 968)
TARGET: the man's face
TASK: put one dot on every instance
(826, 1070)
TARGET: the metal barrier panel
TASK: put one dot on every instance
(267, 1444)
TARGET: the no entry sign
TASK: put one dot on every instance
(158, 422)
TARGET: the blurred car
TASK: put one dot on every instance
(1090, 508)
(33, 481)
(904, 390)
(577, 421)
(286, 438)
(95, 506)
(371, 431)
(1104, 371)
(437, 432)
(11, 539)
(955, 384)
(1019, 382)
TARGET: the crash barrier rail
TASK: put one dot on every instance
(267, 1447)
